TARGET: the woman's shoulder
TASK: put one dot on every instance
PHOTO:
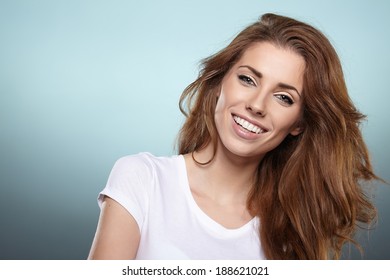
(145, 162)
(139, 175)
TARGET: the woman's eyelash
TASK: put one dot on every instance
(285, 99)
(246, 79)
(282, 97)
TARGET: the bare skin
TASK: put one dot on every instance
(117, 235)
(221, 188)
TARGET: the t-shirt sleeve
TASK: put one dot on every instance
(130, 183)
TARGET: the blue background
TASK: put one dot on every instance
(83, 83)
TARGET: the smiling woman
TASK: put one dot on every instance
(271, 164)
(260, 93)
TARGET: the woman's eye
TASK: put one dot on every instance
(285, 99)
(246, 80)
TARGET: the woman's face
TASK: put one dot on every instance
(260, 100)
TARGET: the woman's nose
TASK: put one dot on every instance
(256, 104)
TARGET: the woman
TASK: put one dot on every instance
(271, 160)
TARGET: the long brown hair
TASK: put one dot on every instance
(308, 192)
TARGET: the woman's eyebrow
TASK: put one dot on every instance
(286, 86)
(253, 70)
(280, 85)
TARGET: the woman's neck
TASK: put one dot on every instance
(227, 178)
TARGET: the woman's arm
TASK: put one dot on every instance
(117, 235)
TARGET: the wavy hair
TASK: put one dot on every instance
(309, 191)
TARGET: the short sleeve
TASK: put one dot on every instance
(130, 183)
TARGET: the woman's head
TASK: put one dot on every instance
(324, 94)
(260, 101)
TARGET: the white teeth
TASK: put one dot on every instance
(247, 125)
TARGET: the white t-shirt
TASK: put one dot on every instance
(156, 192)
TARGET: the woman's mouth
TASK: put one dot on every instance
(248, 126)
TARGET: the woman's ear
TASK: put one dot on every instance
(218, 92)
(296, 131)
